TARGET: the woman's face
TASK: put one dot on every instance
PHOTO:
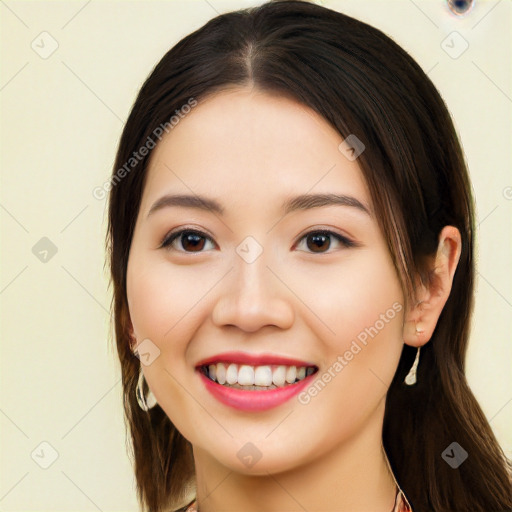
(260, 277)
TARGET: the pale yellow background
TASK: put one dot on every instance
(61, 118)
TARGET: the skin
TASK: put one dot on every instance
(250, 151)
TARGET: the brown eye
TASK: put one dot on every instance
(320, 241)
(190, 241)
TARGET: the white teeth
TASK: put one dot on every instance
(221, 373)
(232, 374)
(279, 376)
(291, 374)
(266, 375)
(212, 371)
(263, 376)
(246, 375)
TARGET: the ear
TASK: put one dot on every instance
(422, 317)
(128, 327)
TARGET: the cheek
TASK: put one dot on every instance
(163, 308)
(353, 299)
(372, 305)
(366, 314)
(362, 303)
(162, 299)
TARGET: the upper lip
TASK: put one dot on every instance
(253, 359)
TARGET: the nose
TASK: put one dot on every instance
(253, 297)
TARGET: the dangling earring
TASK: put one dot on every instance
(145, 403)
(410, 379)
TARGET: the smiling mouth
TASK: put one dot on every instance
(257, 378)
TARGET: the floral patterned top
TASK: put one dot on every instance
(401, 504)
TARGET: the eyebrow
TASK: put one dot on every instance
(302, 202)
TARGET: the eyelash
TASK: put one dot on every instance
(171, 237)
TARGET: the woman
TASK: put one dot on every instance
(291, 248)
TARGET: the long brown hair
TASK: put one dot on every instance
(363, 83)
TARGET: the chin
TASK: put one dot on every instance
(253, 461)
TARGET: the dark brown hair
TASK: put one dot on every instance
(362, 83)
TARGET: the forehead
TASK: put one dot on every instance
(251, 147)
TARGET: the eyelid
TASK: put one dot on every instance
(343, 239)
(175, 233)
(170, 237)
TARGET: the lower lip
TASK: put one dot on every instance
(252, 400)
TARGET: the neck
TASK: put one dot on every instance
(352, 477)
